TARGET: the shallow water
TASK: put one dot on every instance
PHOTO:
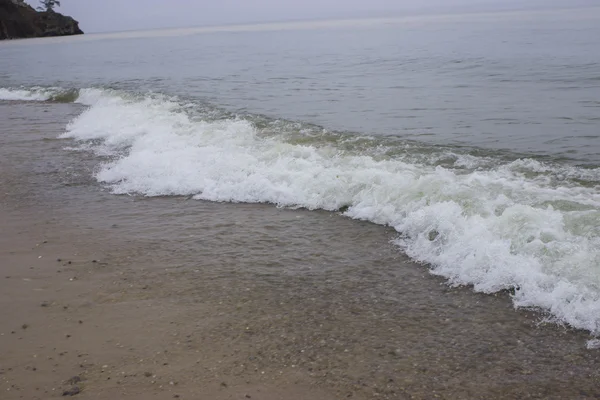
(330, 295)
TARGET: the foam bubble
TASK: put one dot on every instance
(526, 226)
(593, 344)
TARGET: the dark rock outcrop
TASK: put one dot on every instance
(19, 20)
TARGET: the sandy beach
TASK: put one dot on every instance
(108, 297)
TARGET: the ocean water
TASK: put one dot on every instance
(476, 137)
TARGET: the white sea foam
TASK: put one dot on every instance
(36, 94)
(519, 225)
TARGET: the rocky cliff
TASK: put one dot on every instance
(19, 20)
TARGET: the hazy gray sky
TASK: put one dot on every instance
(117, 15)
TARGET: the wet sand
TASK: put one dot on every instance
(174, 298)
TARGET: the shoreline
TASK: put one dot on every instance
(176, 303)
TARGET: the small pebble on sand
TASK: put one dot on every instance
(72, 392)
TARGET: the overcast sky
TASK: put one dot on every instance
(118, 15)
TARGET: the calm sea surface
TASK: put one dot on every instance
(525, 82)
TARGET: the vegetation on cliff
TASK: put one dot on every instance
(20, 20)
